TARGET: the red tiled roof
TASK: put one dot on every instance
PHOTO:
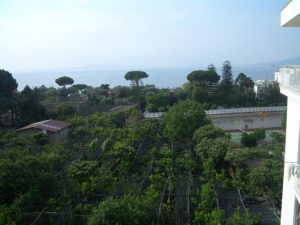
(48, 125)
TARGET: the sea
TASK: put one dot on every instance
(162, 78)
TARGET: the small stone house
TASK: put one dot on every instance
(56, 130)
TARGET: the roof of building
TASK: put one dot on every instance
(48, 125)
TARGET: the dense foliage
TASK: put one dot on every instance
(203, 86)
(119, 168)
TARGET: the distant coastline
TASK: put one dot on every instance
(162, 78)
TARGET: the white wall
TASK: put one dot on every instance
(290, 15)
(231, 122)
(291, 155)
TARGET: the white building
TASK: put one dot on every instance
(289, 80)
(276, 76)
(262, 87)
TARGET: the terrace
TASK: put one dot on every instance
(289, 80)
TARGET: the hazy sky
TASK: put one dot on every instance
(41, 34)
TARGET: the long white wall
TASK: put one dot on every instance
(231, 122)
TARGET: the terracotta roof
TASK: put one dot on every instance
(48, 125)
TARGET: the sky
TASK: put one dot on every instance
(52, 34)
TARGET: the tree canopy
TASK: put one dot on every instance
(63, 81)
(211, 68)
(7, 87)
(7, 84)
(249, 140)
(183, 119)
(227, 73)
(204, 77)
(202, 84)
(208, 131)
(135, 77)
(243, 81)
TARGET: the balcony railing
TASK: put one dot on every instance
(289, 77)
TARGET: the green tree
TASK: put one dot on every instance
(248, 140)
(211, 68)
(260, 134)
(206, 211)
(136, 77)
(124, 211)
(227, 79)
(225, 89)
(65, 110)
(7, 84)
(182, 119)
(64, 80)
(159, 101)
(7, 87)
(278, 137)
(243, 94)
(81, 169)
(98, 96)
(105, 87)
(243, 81)
(79, 88)
(204, 78)
(121, 92)
(240, 218)
(28, 97)
(274, 95)
(239, 157)
(24, 175)
(208, 131)
(272, 186)
(203, 84)
(215, 149)
(6, 216)
(198, 93)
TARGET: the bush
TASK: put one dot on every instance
(124, 211)
(249, 140)
(239, 218)
(66, 110)
(260, 134)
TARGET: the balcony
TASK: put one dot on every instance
(290, 14)
(289, 80)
